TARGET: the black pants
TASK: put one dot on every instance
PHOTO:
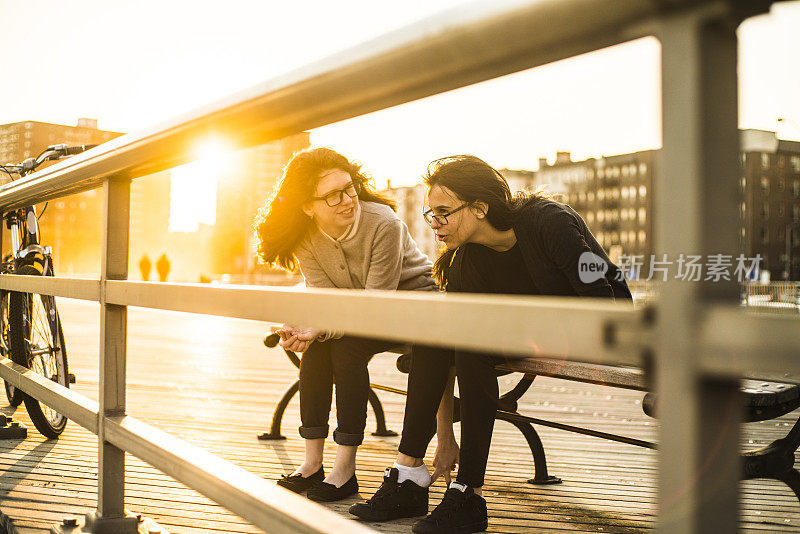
(478, 392)
(342, 362)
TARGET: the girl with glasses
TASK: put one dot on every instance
(494, 242)
(325, 218)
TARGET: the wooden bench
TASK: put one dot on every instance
(762, 401)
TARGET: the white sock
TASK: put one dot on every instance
(418, 475)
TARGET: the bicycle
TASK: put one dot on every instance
(31, 327)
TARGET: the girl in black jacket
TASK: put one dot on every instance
(494, 243)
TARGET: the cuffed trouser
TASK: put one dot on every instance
(478, 391)
(342, 362)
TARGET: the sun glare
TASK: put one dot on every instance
(193, 195)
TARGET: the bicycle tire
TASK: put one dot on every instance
(38, 344)
(15, 396)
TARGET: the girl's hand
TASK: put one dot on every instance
(294, 344)
(445, 459)
(307, 334)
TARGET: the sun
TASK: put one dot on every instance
(193, 187)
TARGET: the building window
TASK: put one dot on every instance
(765, 211)
(796, 163)
(590, 196)
(781, 209)
(796, 212)
(590, 217)
(625, 193)
(765, 185)
(642, 168)
(781, 185)
(642, 191)
(765, 161)
(600, 216)
(796, 188)
(764, 236)
(624, 215)
(642, 237)
(742, 209)
(600, 195)
(601, 173)
(642, 215)
(743, 183)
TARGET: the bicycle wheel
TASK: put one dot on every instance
(38, 343)
(14, 395)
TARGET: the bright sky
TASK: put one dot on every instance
(130, 64)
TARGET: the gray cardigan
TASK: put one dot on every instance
(376, 253)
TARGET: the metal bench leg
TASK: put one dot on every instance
(776, 460)
(511, 397)
(380, 418)
(277, 416)
(792, 479)
(540, 475)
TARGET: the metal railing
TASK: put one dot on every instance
(699, 343)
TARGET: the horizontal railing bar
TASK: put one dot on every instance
(517, 326)
(75, 406)
(263, 503)
(459, 47)
(736, 342)
(74, 288)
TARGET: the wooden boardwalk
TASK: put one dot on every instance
(210, 381)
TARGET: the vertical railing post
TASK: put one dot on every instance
(110, 515)
(696, 198)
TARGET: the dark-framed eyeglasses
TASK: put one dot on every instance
(334, 198)
(441, 218)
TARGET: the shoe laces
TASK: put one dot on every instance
(388, 489)
(451, 503)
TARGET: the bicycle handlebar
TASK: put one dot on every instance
(53, 152)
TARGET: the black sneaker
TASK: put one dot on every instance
(393, 500)
(324, 492)
(299, 483)
(460, 512)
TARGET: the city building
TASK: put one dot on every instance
(410, 203)
(70, 223)
(612, 194)
(770, 208)
(241, 192)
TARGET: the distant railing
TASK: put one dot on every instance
(770, 297)
(698, 342)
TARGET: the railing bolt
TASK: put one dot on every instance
(70, 521)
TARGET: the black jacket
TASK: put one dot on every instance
(552, 238)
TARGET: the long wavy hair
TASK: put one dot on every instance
(281, 224)
(473, 180)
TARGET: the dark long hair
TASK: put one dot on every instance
(473, 180)
(281, 224)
